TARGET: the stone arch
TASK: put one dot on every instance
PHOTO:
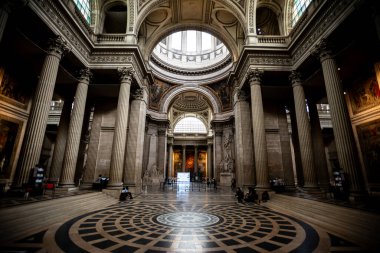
(195, 115)
(277, 9)
(168, 98)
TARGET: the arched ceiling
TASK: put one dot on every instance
(223, 19)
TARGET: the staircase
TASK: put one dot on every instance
(19, 221)
(351, 224)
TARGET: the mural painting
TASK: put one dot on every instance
(9, 131)
(224, 92)
(10, 90)
(157, 91)
(365, 95)
(369, 137)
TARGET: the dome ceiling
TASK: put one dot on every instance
(190, 102)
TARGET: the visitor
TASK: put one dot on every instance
(124, 194)
(265, 196)
(239, 195)
(251, 196)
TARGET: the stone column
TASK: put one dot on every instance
(183, 158)
(296, 147)
(259, 138)
(218, 155)
(120, 134)
(245, 173)
(209, 160)
(304, 132)
(60, 143)
(135, 141)
(170, 160)
(319, 147)
(195, 159)
(162, 145)
(344, 139)
(75, 130)
(35, 130)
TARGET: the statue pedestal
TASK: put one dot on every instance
(225, 178)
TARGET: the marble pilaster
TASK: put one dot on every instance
(218, 154)
(120, 133)
(342, 129)
(170, 165)
(36, 127)
(195, 159)
(304, 132)
(75, 130)
(245, 173)
(209, 160)
(259, 138)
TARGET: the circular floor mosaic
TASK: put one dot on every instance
(155, 227)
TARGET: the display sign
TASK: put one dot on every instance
(183, 177)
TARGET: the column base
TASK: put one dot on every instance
(357, 196)
(66, 188)
(115, 193)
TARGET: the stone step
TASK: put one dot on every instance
(28, 218)
(351, 224)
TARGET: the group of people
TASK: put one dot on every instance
(251, 195)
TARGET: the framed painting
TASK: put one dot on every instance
(10, 130)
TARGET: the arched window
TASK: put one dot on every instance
(84, 7)
(299, 7)
(190, 125)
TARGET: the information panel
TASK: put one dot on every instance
(183, 177)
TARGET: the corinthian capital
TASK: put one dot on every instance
(295, 78)
(58, 46)
(255, 75)
(322, 50)
(125, 74)
(138, 94)
(85, 75)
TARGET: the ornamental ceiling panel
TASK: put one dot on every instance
(191, 10)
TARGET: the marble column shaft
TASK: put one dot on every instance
(75, 130)
(209, 160)
(136, 138)
(60, 143)
(120, 133)
(304, 133)
(342, 128)
(319, 147)
(259, 138)
(162, 151)
(38, 117)
(195, 158)
(183, 158)
(245, 174)
(218, 154)
(170, 172)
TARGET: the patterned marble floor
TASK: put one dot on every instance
(183, 222)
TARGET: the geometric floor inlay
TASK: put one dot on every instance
(162, 227)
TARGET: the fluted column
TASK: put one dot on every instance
(161, 152)
(60, 143)
(209, 160)
(35, 130)
(170, 172)
(136, 138)
(218, 155)
(259, 138)
(120, 134)
(342, 129)
(304, 132)
(319, 147)
(245, 174)
(75, 130)
(195, 159)
(183, 158)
